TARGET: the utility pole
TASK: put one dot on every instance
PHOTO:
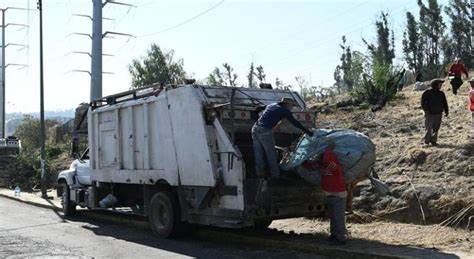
(44, 176)
(4, 66)
(96, 53)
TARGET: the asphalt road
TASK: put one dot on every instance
(29, 231)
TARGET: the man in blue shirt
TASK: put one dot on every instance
(263, 139)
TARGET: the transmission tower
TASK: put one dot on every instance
(4, 65)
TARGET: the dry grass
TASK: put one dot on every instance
(436, 181)
(432, 237)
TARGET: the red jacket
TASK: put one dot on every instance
(332, 177)
(457, 70)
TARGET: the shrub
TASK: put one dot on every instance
(377, 87)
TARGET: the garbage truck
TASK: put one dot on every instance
(182, 155)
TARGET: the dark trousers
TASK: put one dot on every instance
(456, 82)
(337, 219)
(432, 125)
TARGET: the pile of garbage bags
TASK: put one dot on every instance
(355, 151)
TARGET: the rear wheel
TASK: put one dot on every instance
(69, 207)
(165, 215)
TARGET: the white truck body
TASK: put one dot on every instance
(185, 138)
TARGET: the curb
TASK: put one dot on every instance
(223, 236)
(46, 206)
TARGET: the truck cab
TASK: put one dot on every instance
(183, 155)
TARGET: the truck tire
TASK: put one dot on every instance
(165, 215)
(261, 224)
(69, 207)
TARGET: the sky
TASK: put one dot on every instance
(288, 38)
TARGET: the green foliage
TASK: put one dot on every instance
(28, 132)
(250, 77)
(458, 43)
(279, 84)
(377, 87)
(412, 44)
(260, 74)
(432, 29)
(229, 74)
(307, 92)
(384, 51)
(156, 66)
(346, 64)
(218, 77)
(25, 168)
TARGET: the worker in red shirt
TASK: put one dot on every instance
(456, 70)
(334, 187)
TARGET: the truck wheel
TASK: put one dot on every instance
(261, 224)
(69, 207)
(164, 215)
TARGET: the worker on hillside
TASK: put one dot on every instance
(334, 187)
(263, 139)
(433, 102)
(456, 70)
(471, 105)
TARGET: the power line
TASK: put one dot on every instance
(319, 42)
(326, 20)
(186, 21)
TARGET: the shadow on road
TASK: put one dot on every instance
(251, 239)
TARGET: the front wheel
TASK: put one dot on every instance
(165, 215)
(69, 207)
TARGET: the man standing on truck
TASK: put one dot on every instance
(263, 139)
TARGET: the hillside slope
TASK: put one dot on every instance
(428, 184)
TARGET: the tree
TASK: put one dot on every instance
(432, 30)
(339, 84)
(250, 77)
(260, 74)
(307, 92)
(278, 83)
(28, 132)
(216, 77)
(384, 51)
(458, 43)
(155, 67)
(412, 47)
(229, 76)
(25, 170)
(346, 64)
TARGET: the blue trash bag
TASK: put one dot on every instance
(354, 150)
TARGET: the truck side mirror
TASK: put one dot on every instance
(75, 147)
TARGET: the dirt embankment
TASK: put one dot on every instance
(428, 184)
